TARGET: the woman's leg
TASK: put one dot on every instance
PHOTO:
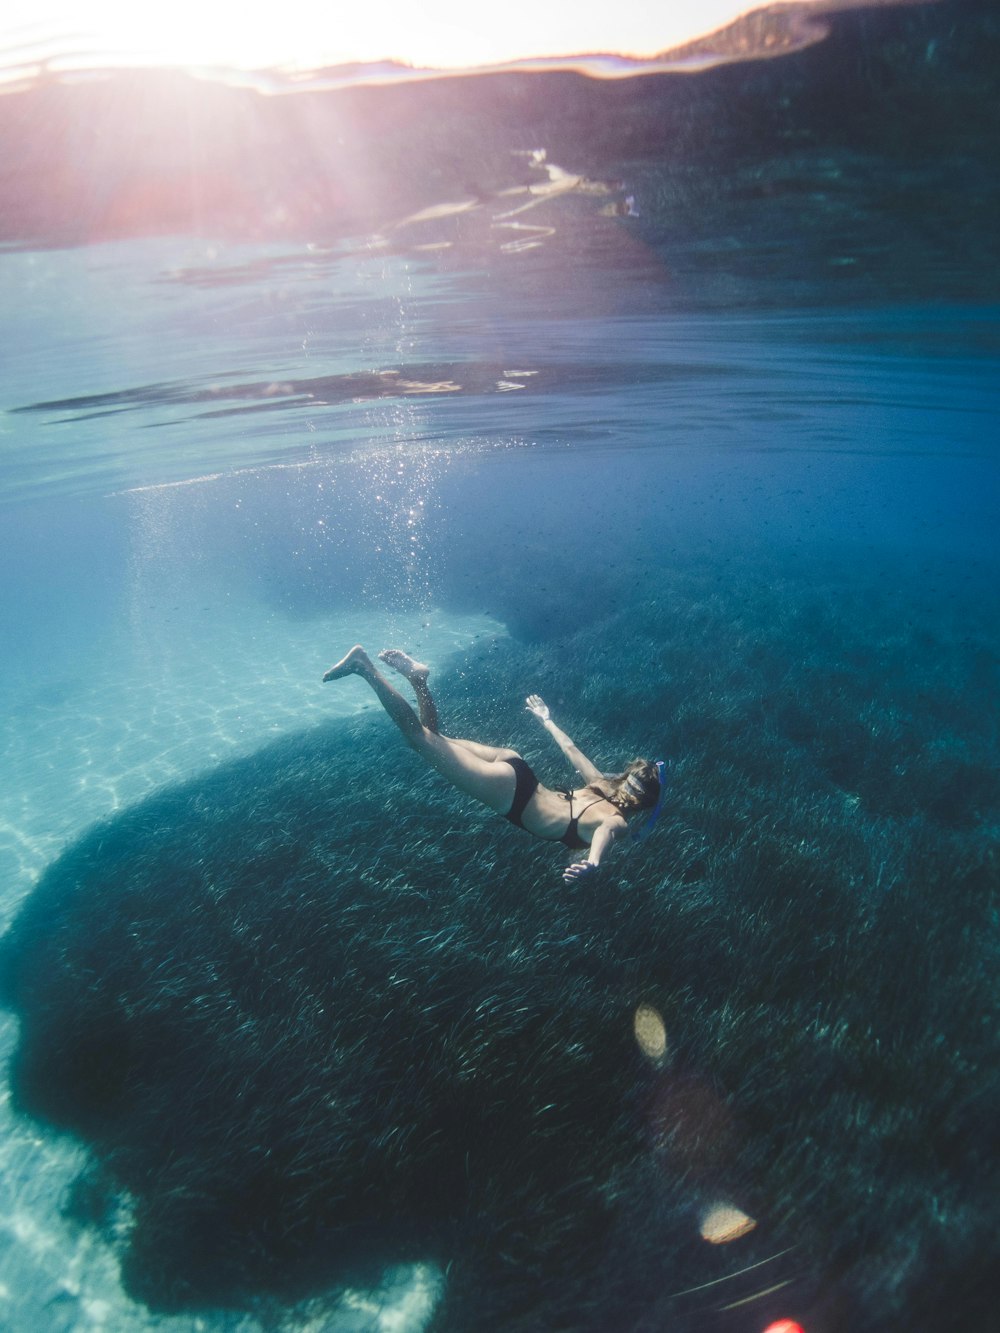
(358, 663)
(416, 673)
(476, 775)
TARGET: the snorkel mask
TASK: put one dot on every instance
(644, 830)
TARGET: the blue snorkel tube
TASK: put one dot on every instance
(646, 828)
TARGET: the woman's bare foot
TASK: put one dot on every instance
(357, 662)
(404, 664)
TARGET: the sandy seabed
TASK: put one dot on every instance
(193, 684)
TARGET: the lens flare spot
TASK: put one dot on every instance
(650, 1033)
(721, 1223)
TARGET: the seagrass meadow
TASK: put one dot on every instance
(313, 1014)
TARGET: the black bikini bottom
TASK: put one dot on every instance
(525, 786)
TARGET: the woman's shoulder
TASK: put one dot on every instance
(590, 798)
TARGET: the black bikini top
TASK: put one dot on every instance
(571, 838)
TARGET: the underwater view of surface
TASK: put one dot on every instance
(671, 397)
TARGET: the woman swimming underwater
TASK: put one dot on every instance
(590, 817)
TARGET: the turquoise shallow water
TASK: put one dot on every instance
(702, 447)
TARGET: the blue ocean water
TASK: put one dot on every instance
(499, 419)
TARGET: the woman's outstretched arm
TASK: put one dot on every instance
(588, 771)
(601, 841)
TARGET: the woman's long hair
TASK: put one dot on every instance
(636, 788)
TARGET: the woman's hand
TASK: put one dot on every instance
(537, 705)
(578, 870)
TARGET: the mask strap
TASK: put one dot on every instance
(646, 828)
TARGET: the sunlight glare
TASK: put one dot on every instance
(300, 35)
